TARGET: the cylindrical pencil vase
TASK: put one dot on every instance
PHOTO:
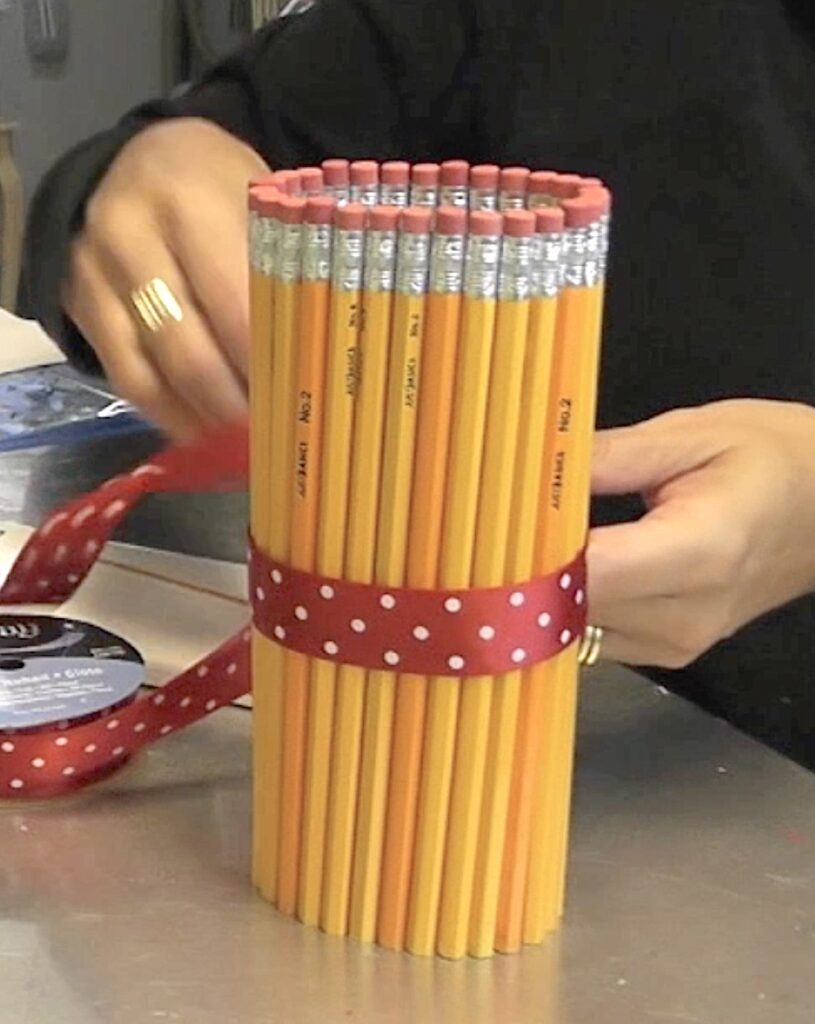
(423, 385)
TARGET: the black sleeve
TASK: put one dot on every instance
(354, 78)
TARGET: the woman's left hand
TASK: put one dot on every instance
(729, 533)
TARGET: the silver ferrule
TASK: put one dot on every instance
(367, 195)
(261, 243)
(413, 263)
(271, 245)
(342, 193)
(549, 261)
(605, 238)
(575, 251)
(317, 252)
(511, 201)
(481, 266)
(253, 240)
(289, 253)
(483, 199)
(594, 248)
(537, 200)
(516, 274)
(447, 264)
(424, 195)
(393, 195)
(380, 261)
(346, 262)
(454, 195)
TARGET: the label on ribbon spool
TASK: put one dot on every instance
(57, 671)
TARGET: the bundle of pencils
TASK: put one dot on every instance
(425, 346)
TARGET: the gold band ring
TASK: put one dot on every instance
(589, 650)
(156, 305)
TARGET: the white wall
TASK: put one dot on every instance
(113, 62)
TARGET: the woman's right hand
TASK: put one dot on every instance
(171, 206)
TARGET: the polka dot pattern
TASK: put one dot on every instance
(464, 632)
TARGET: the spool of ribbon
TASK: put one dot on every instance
(463, 633)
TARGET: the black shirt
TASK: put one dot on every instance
(698, 113)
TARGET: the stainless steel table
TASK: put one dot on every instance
(692, 895)
(692, 882)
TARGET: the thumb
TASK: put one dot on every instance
(643, 457)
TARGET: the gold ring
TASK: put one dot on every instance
(156, 305)
(589, 650)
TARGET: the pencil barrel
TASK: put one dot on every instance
(423, 383)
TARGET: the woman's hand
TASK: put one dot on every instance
(172, 206)
(729, 533)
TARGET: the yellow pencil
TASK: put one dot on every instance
(337, 180)
(424, 184)
(311, 182)
(305, 489)
(363, 178)
(492, 704)
(454, 179)
(484, 180)
(520, 565)
(556, 548)
(464, 470)
(539, 191)
(391, 550)
(589, 212)
(394, 187)
(342, 378)
(489, 557)
(439, 348)
(262, 227)
(512, 187)
(281, 462)
(366, 459)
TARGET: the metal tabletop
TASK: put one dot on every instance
(691, 896)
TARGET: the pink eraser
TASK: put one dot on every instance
(291, 209)
(485, 222)
(311, 179)
(582, 211)
(383, 218)
(454, 172)
(415, 220)
(262, 199)
(320, 209)
(514, 179)
(540, 182)
(519, 223)
(451, 220)
(549, 220)
(351, 217)
(565, 186)
(425, 175)
(484, 176)
(364, 172)
(395, 172)
(335, 172)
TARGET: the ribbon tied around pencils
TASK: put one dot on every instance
(456, 633)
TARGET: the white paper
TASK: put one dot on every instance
(25, 345)
(173, 608)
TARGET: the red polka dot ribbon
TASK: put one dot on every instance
(458, 633)
(427, 632)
